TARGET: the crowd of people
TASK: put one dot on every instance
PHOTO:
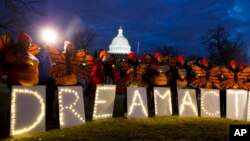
(156, 70)
(53, 68)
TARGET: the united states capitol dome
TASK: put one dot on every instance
(119, 44)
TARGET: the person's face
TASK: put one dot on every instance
(234, 67)
(69, 48)
(183, 62)
(134, 59)
(105, 58)
(241, 67)
(24, 46)
(206, 64)
(160, 59)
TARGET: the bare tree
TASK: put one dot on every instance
(84, 39)
(168, 50)
(194, 58)
(238, 49)
(222, 47)
(15, 14)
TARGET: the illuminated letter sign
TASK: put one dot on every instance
(104, 101)
(27, 109)
(163, 103)
(187, 102)
(71, 106)
(236, 104)
(210, 103)
(137, 102)
(248, 108)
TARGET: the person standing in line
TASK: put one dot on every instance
(159, 76)
(100, 73)
(22, 66)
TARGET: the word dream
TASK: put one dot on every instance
(30, 100)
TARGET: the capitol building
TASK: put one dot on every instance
(119, 46)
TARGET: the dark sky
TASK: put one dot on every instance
(180, 23)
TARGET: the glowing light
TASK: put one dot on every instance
(236, 93)
(136, 96)
(187, 101)
(203, 95)
(237, 106)
(248, 108)
(70, 107)
(162, 97)
(99, 106)
(15, 92)
(49, 36)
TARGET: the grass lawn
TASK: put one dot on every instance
(156, 128)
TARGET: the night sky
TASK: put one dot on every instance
(180, 23)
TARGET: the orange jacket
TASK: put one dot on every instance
(22, 68)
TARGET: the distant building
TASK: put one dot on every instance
(119, 46)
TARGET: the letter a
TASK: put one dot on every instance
(237, 133)
(187, 101)
(137, 102)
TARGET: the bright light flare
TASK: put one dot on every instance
(49, 36)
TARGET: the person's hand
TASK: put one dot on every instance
(29, 64)
(130, 71)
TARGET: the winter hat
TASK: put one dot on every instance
(232, 62)
(242, 65)
(23, 37)
(204, 61)
(131, 55)
(179, 58)
(156, 55)
(103, 53)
